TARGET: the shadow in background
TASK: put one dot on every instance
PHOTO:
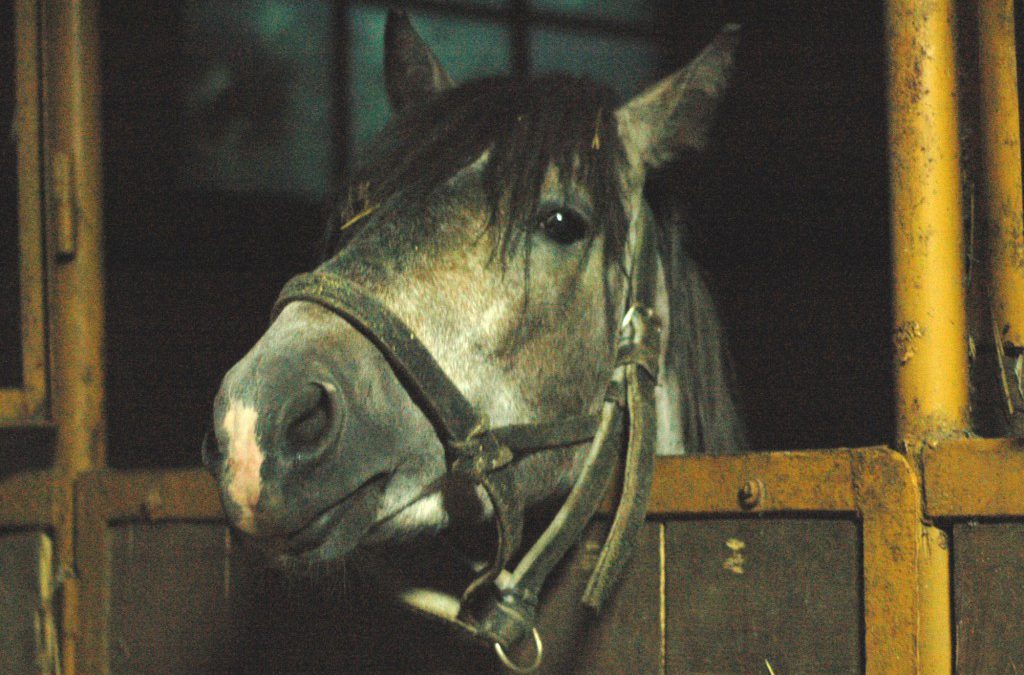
(789, 211)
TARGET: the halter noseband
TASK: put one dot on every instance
(499, 606)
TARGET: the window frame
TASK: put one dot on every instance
(27, 405)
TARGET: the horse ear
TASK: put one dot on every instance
(411, 71)
(676, 114)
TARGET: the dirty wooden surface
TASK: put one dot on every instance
(169, 611)
(341, 625)
(988, 597)
(24, 568)
(627, 637)
(742, 591)
(736, 591)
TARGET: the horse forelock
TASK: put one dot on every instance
(521, 128)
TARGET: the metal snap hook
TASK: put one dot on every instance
(515, 667)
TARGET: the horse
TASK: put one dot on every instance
(480, 272)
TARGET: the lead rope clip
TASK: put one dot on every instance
(515, 667)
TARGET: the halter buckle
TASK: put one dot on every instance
(640, 339)
(480, 453)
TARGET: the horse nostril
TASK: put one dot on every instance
(311, 415)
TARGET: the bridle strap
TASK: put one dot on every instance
(473, 451)
(498, 606)
(638, 356)
(452, 415)
(504, 618)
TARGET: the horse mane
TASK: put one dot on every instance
(697, 348)
(527, 126)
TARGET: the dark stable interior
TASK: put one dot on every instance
(789, 208)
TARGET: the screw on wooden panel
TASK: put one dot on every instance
(751, 493)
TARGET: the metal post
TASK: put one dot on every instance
(930, 335)
(1000, 132)
(75, 266)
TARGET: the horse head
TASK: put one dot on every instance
(492, 226)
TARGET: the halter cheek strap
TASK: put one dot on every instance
(499, 606)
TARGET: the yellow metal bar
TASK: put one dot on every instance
(1000, 132)
(72, 147)
(975, 478)
(927, 243)
(889, 502)
(930, 334)
(72, 194)
(784, 481)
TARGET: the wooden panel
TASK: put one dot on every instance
(168, 605)
(28, 634)
(743, 591)
(988, 565)
(626, 637)
(343, 625)
(26, 499)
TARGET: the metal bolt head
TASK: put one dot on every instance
(751, 493)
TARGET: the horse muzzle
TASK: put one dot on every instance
(308, 430)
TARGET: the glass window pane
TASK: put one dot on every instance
(492, 4)
(639, 11)
(258, 97)
(625, 64)
(467, 48)
(10, 288)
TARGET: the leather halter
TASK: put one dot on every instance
(499, 605)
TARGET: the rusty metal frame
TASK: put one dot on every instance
(875, 485)
(929, 304)
(28, 403)
(975, 478)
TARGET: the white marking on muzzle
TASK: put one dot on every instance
(245, 457)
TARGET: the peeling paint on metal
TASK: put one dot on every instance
(904, 338)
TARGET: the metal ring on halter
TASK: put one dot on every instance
(515, 667)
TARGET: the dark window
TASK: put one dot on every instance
(10, 288)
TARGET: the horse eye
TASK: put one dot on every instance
(563, 226)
